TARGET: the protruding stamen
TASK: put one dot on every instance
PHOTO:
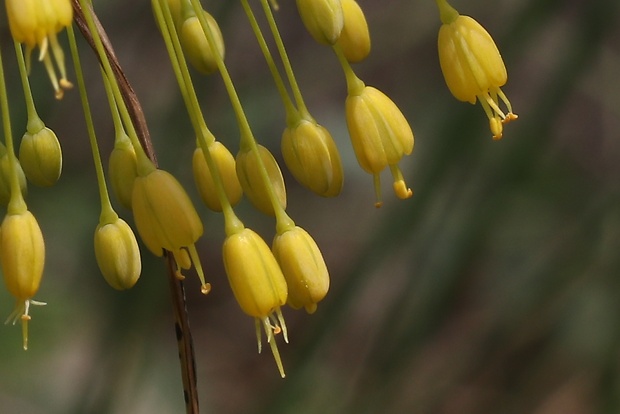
(400, 187)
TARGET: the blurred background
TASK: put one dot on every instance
(494, 289)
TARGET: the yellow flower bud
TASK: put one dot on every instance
(195, 44)
(36, 23)
(123, 170)
(254, 275)
(41, 157)
(258, 284)
(323, 19)
(5, 180)
(303, 267)
(164, 214)
(22, 254)
(167, 220)
(248, 172)
(22, 257)
(472, 66)
(311, 155)
(118, 255)
(355, 37)
(379, 133)
(204, 180)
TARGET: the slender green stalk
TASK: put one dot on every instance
(292, 115)
(17, 205)
(34, 122)
(354, 84)
(108, 215)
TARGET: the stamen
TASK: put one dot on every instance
(205, 287)
(400, 187)
(274, 346)
(59, 57)
(377, 183)
(51, 73)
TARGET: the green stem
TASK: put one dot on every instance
(145, 165)
(355, 85)
(108, 215)
(447, 13)
(285, 61)
(292, 115)
(17, 205)
(232, 223)
(247, 139)
(34, 122)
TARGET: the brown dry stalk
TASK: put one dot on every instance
(177, 290)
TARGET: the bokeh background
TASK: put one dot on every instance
(495, 289)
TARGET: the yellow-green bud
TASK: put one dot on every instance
(311, 155)
(248, 172)
(5, 178)
(195, 44)
(355, 37)
(41, 157)
(164, 214)
(379, 132)
(123, 170)
(225, 163)
(254, 275)
(118, 255)
(22, 254)
(303, 267)
(323, 19)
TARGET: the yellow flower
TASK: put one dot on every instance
(303, 267)
(355, 37)
(226, 167)
(380, 136)
(41, 157)
(22, 256)
(254, 187)
(311, 155)
(36, 23)
(195, 44)
(117, 253)
(257, 283)
(323, 19)
(123, 169)
(472, 66)
(166, 219)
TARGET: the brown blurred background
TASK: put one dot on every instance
(495, 289)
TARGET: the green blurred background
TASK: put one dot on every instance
(495, 289)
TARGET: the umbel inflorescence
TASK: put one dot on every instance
(263, 278)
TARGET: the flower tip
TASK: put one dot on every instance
(378, 204)
(205, 289)
(497, 128)
(65, 84)
(510, 117)
(311, 308)
(402, 191)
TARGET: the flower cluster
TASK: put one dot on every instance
(263, 278)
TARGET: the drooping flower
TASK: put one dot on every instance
(195, 45)
(355, 37)
(36, 24)
(311, 155)
(258, 284)
(166, 219)
(117, 254)
(472, 66)
(41, 157)
(303, 267)
(380, 135)
(22, 256)
(123, 169)
(323, 19)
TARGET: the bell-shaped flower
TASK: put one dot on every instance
(472, 66)
(117, 253)
(166, 218)
(122, 169)
(41, 157)
(311, 155)
(380, 136)
(303, 267)
(195, 45)
(323, 19)
(355, 37)
(225, 163)
(22, 256)
(36, 24)
(251, 179)
(257, 283)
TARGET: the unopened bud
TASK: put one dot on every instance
(122, 167)
(118, 255)
(5, 179)
(323, 19)
(41, 157)
(195, 44)
(355, 37)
